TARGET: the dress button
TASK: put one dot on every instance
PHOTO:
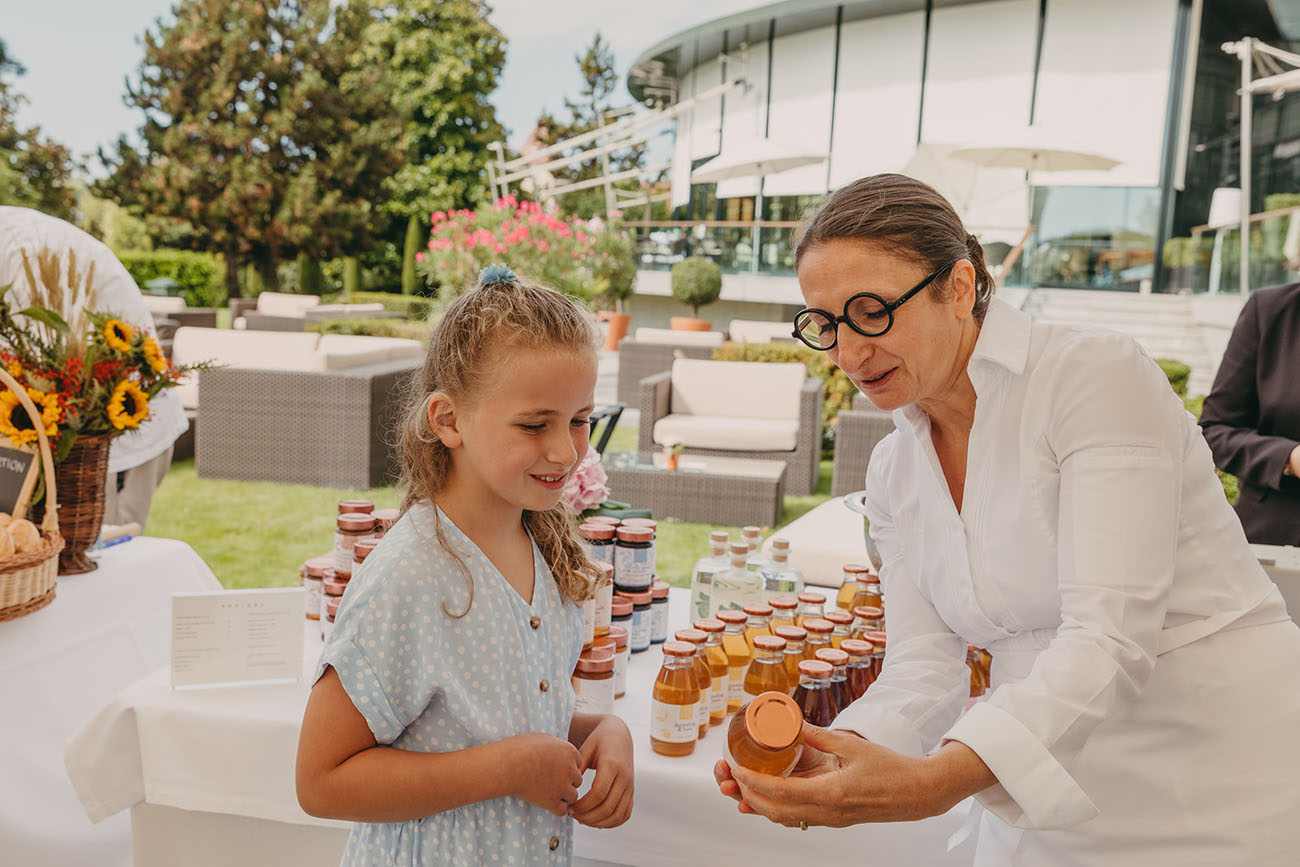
(544, 685)
(534, 621)
(555, 843)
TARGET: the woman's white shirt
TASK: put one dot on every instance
(1093, 537)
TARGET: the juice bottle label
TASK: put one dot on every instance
(718, 695)
(620, 672)
(673, 723)
(736, 683)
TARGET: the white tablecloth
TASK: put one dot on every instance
(58, 667)
(228, 753)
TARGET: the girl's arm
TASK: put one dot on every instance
(343, 773)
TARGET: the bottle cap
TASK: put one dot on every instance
(694, 636)
(679, 648)
(811, 598)
(840, 618)
(620, 607)
(602, 519)
(876, 638)
(773, 720)
(758, 609)
(359, 506)
(752, 531)
(316, 566)
(647, 523)
(780, 543)
(635, 534)
(720, 536)
(709, 624)
(856, 569)
(792, 633)
(598, 660)
(833, 655)
(739, 549)
(596, 532)
(619, 634)
(817, 624)
(783, 603)
(868, 612)
(659, 590)
(856, 648)
(815, 668)
(769, 642)
(642, 598)
(386, 518)
(362, 549)
(356, 521)
(732, 617)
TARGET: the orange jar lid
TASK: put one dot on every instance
(856, 569)
(783, 603)
(773, 720)
(362, 549)
(334, 586)
(359, 506)
(818, 624)
(596, 531)
(759, 609)
(876, 638)
(732, 617)
(386, 518)
(356, 522)
(635, 534)
(868, 612)
(620, 607)
(833, 655)
(769, 642)
(596, 661)
(647, 523)
(694, 636)
(659, 590)
(813, 598)
(619, 635)
(841, 618)
(709, 624)
(602, 519)
(792, 633)
(642, 598)
(317, 566)
(815, 668)
(679, 648)
(855, 648)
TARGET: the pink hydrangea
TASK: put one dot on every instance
(586, 488)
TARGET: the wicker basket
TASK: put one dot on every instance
(27, 579)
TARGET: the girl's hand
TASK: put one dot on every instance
(548, 773)
(608, 749)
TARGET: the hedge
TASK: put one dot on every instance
(412, 329)
(201, 275)
(414, 306)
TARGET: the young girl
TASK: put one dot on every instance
(441, 720)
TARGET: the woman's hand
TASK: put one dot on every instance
(548, 770)
(608, 749)
(843, 779)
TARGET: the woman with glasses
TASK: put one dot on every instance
(1045, 496)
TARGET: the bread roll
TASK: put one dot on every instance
(6, 544)
(25, 535)
(5, 518)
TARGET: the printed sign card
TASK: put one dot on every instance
(17, 478)
(237, 637)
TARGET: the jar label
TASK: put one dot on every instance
(735, 684)
(601, 553)
(638, 636)
(673, 723)
(313, 586)
(634, 567)
(659, 622)
(620, 672)
(718, 695)
(604, 599)
(593, 696)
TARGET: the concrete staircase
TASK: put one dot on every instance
(1165, 325)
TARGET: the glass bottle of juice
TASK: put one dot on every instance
(716, 657)
(873, 596)
(841, 697)
(813, 695)
(852, 590)
(706, 568)
(766, 735)
(767, 669)
(783, 610)
(819, 636)
(737, 650)
(703, 677)
(794, 638)
(759, 621)
(811, 604)
(673, 728)
(866, 618)
(859, 669)
(843, 623)
(878, 641)
(737, 586)
(978, 685)
(779, 577)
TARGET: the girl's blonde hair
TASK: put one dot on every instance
(487, 323)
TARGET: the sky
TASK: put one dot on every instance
(79, 54)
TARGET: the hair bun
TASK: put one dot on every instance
(498, 273)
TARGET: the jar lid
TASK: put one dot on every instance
(362, 549)
(842, 618)
(856, 648)
(876, 638)
(640, 522)
(642, 598)
(360, 506)
(620, 607)
(602, 519)
(316, 566)
(780, 543)
(624, 590)
(386, 518)
(709, 624)
(783, 603)
(773, 720)
(870, 579)
(856, 569)
(329, 572)
(815, 668)
(868, 612)
(758, 609)
(679, 648)
(694, 636)
(619, 634)
(332, 605)
(659, 589)
(635, 534)
(817, 624)
(596, 661)
(719, 536)
(751, 530)
(334, 586)
(356, 521)
(833, 655)
(769, 642)
(813, 598)
(732, 617)
(596, 531)
(739, 549)
(792, 633)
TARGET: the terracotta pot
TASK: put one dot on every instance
(618, 323)
(687, 323)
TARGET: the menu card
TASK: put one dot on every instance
(237, 637)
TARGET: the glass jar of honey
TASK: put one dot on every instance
(784, 609)
(599, 539)
(703, 676)
(767, 669)
(866, 618)
(852, 589)
(766, 735)
(673, 726)
(811, 604)
(738, 656)
(859, 668)
(842, 622)
(819, 635)
(351, 527)
(384, 520)
(758, 622)
(593, 682)
(716, 657)
(793, 654)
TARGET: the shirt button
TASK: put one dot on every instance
(544, 685)
(555, 843)
(534, 621)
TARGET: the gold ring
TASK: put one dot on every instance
(803, 825)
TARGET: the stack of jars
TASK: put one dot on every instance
(358, 528)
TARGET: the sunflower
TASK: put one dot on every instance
(118, 334)
(128, 406)
(15, 369)
(16, 422)
(153, 354)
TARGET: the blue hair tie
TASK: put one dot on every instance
(496, 274)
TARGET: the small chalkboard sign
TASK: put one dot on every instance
(17, 478)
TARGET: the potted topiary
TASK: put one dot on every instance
(696, 282)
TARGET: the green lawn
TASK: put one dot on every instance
(256, 534)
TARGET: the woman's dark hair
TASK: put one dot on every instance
(908, 219)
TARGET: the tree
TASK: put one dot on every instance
(35, 172)
(443, 59)
(265, 132)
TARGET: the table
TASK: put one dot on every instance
(58, 667)
(208, 776)
(707, 489)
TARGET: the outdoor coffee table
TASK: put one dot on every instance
(705, 489)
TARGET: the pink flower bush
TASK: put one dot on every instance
(586, 488)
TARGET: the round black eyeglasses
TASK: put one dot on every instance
(866, 313)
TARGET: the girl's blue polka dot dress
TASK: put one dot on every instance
(425, 681)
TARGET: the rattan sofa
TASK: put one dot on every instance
(637, 360)
(655, 401)
(857, 431)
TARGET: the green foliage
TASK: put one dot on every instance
(697, 281)
(414, 306)
(351, 276)
(1184, 252)
(111, 223)
(35, 172)
(310, 279)
(1178, 374)
(199, 274)
(614, 265)
(415, 330)
(410, 247)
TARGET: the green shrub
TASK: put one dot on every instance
(414, 306)
(374, 328)
(696, 282)
(1178, 374)
(201, 275)
(837, 394)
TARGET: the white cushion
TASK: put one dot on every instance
(326, 311)
(720, 432)
(822, 541)
(162, 305)
(737, 389)
(392, 348)
(285, 304)
(187, 392)
(670, 337)
(279, 350)
(756, 331)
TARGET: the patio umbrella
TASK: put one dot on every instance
(1034, 149)
(753, 159)
(988, 200)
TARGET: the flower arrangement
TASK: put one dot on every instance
(586, 258)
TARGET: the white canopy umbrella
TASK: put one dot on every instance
(1034, 149)
(754, 158)
(990, 202)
